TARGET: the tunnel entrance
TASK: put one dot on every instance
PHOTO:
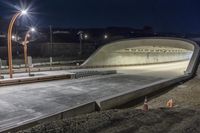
(144, 51)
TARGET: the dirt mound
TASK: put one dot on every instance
(160, 120)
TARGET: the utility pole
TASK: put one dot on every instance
(51, 43)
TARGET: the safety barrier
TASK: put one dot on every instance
(125, 97)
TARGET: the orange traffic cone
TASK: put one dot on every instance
(170, 103)
(145, 106)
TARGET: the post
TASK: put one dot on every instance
(25, 49)
(9, 37)
(50, 61)
(81, 44)
(51, 42)
(1, 77)
(25, 56)
(30, 64)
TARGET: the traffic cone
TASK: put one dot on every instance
(170, 103)
(145, 106)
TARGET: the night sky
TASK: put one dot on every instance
(163, 15)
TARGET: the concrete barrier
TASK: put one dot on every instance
(82, 74)
(125, 97)
(35, 79)
(78, 110)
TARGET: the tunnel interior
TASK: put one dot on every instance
(145, 55)
(143, 51)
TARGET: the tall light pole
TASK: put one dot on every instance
(10, 28)
(25, 46)
(80, 33)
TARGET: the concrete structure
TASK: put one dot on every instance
(144, 51)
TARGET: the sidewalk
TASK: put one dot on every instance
(39, 69)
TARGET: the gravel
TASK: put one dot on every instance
(160, 120)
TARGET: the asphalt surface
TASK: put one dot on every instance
(22, 103)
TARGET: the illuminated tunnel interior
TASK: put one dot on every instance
(144, 51)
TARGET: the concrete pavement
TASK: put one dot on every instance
(22, 103)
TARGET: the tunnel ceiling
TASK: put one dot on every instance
(166, 43)
(151, 49)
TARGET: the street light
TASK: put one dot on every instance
(13, 37)
(32, 29)
(25, 46)
(80, 33)
(105, 36)
(86, 36)
(82, 36)
(24, 12)
(10, 28)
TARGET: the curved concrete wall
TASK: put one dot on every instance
(143, 51)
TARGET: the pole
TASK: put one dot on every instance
(0, 73)
(9, 37)
(80, 33)
(51, 43)
(25, 59)
(25, 49)
(29, 71)
(51, 40)
(81, 36)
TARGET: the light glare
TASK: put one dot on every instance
(33, 29)
(86, 36)
(13, 37)
(105, 36)
(24, 12)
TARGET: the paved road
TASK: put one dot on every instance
(165, 70)
(24, 102)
